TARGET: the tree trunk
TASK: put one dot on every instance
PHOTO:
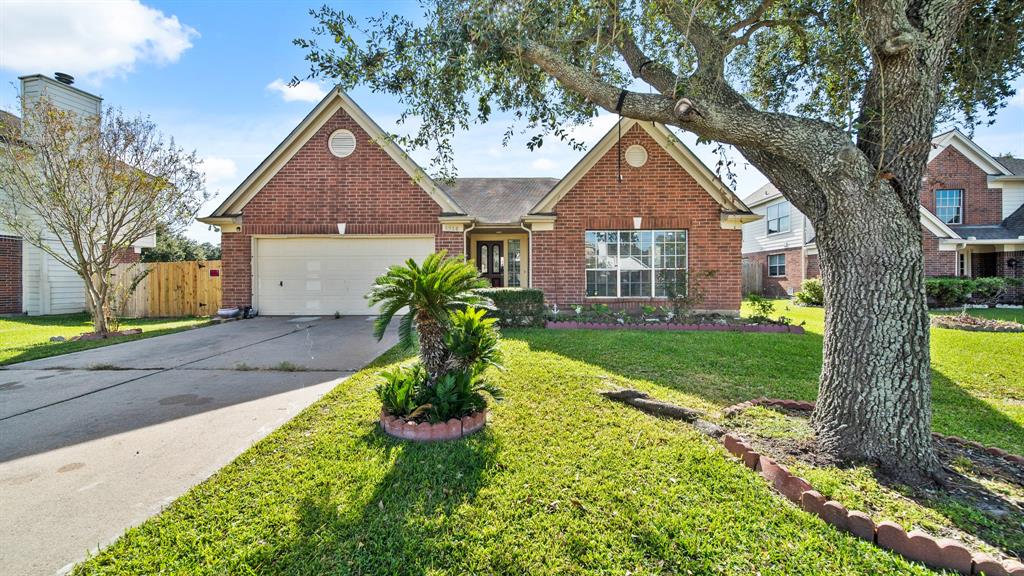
(98, 302)
(432, 348)
(874, 401)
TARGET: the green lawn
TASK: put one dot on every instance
(28, 337)
(561, 481)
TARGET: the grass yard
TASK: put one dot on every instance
(561, 481)
(25, 338)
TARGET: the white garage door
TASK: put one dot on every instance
(321, 276)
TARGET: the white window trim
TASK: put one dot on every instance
(959, 206)
(789, 219)
(618, 275)
(783, 275)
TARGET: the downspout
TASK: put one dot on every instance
(529, 252)
(465, 239)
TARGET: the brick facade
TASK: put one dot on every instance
(315, 190)
(10, 275)
(666, 196)
(952, 170)
(937, 262)
(784, 286)
(812, 268)
(127, 256)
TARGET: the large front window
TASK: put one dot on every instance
(949, 206)
(777, 217)
(635, 263)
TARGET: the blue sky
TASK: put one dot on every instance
(211, 75)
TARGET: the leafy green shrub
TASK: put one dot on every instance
(762, 307)
(990, 290)
(472, 340)
(516, 307)
(946, 292)
(400, 387)
(456, 394)
(812, 292)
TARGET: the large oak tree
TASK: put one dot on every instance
(835, 102)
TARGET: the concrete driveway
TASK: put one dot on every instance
(95, 442)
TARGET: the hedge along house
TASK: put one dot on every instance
(337, 202)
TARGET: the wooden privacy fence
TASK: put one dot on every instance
(171, 288)
(753, 281)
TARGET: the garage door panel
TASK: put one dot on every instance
(298, 276)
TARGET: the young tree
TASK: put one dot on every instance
(835, 102)
(83, 188)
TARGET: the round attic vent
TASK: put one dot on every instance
(342, 143)
(636, 156)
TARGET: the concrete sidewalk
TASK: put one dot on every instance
(95, 442)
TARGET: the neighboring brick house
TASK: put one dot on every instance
(32, 281)
(337, 202)
(972, 221)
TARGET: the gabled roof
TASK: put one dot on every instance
(498, 200)
(334, 100)
(764, 194)
(969, 149)
(668, 141)
(1015, 165)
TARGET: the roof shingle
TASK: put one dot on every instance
(498, 200)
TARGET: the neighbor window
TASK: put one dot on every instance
(777, 265)
(949, 206)
(778, 218)
(635, 263)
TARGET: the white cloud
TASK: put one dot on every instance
(543, 164)
(303, 92)
(88, 39)
(219, 171)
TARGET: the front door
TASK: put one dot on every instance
(490, 260)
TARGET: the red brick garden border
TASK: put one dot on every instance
(808, 406)
(453, 429)
(773, 328)
(916, 545)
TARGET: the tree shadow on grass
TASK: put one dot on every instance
(724, 368)
(398, 525)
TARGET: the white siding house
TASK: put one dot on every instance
(794, 233)
(47, 286)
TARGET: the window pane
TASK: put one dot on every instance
(482, 257)
(635, 283)
(600, 283)
(496, 259)
(514, 263)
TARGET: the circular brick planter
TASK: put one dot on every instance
(453, 429)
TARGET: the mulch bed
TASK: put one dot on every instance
(975, 324)
(105, 335)
(671, 327)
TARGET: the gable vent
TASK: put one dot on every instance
(342, 143)
(636, 156)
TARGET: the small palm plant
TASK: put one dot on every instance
(430, 291)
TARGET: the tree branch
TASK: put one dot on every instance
(654, 73)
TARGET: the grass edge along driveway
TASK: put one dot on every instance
(24, 338)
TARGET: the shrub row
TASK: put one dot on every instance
(946, 292)
(516, 307)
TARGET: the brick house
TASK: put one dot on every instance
(972, 221)
(337, 202)
(32, 281)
